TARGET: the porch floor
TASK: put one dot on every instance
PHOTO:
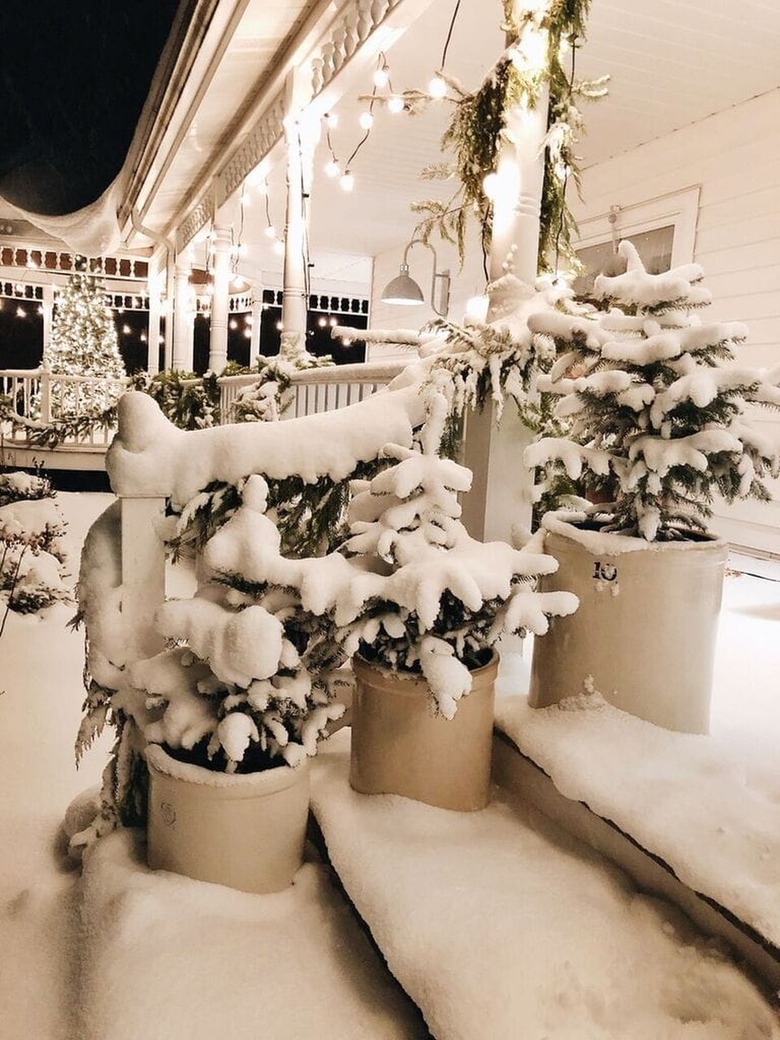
(497, 924)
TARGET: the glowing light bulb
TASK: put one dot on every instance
(395, 104)
(248, 333)
(437, 88)
(270, 231)
(279, 247)
(366, 120)
(332, 120)
(332, 168)
(382, 77)
(21, 312)
(490, 185)
(126, 330)
(347, 182)
(232, 324)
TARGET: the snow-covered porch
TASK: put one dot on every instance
(497, 924)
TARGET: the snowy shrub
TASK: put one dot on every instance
(272, 394)
(17, 486)
(247, 679)
(31, 554)
(188, 401)
(426, 596)
(657, 405)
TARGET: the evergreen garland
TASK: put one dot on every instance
(311, 517)
(478, 123)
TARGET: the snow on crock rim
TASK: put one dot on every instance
(564, 522)
(275, 778)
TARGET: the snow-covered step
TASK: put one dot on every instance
(167, 958)
(687, 816)
(499, 925)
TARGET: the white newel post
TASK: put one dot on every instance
(220, 301)
(501, 499)
(183, 317)
(45, 392)
(143, 573)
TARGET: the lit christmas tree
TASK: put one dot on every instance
(83, 343)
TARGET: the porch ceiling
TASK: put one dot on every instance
(672, 63)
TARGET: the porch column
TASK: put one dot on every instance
(517, 190)
(183, 317)
(500, 499)
(218, 337)
(153, 332)
(256, 314)
(301, 137)
(48, 313)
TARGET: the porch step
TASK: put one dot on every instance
(499, 925)
(676, 811)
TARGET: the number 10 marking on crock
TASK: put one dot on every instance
(604, 571)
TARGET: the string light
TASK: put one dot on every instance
(333, 167)
(437, 88)
(395, 104)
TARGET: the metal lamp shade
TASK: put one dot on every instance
(403, 289)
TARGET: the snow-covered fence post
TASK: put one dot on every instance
(143, 573)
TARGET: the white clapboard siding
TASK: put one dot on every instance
(734, 156)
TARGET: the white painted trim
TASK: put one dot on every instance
(679, 209)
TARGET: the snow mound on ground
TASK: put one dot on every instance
(168, 958)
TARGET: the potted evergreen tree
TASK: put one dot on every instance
(228, 714)
(659, 427)
(427, 604)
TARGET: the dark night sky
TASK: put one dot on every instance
(74, 75)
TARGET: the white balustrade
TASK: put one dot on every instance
(317, 389)
(46, 397)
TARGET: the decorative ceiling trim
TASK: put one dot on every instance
(356, 22)
(266, 132)
(197, 219)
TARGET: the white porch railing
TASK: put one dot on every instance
(42, 396)
(39, 395)
(318, 389)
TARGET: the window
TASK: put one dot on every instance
(663, 231)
